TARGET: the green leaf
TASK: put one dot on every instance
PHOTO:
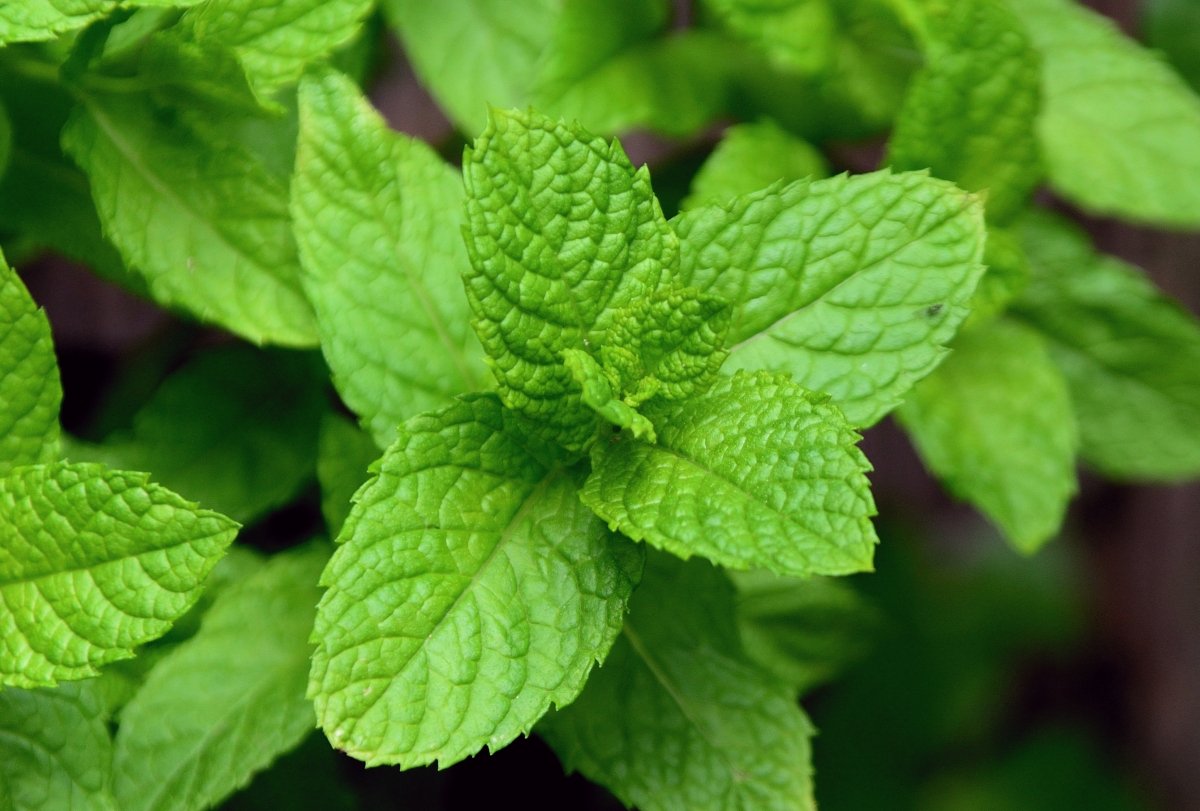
(203, 222)
(797, 35)
(1128, 352)
(758, 472)
(344, 452)
(677, 718)
(275, 41)
(30, 392)
(969, 114)
(5, 140)
(562, 233)
(852, 284)
(1006, 276)
(598, 394)
(94, 563)
(34, 20)
(476, 53)
(801, 631)
(472, 590)
(378, 221)
(1173, 27)
(1120, 131)
(235, 429)
(751, 157)
(234, 693)
(995, 424)
(668, 344)
(55, 751)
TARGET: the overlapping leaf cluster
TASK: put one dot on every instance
(573, 395)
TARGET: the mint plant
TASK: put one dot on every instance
(584, 465)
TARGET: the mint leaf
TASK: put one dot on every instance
(5, 140)
(94, 563)
(751, 157)
(598, 391)
(275, 41)
(677, 718)
(758, 472)
(378, 224)
(234, 693)
(1173, 27)
(472, 590)
(969, 114)
(1006, 276)
(55, 751)
(797, 35)
(1137, 403)
(204, 223)
(852, 284)
(30, 392)
(803, 632)
(343, 453)
(995, 424)
(562, 233)
(34, 20)
(235, 429)
(1120, 131)
(476, 53)
(668, 344)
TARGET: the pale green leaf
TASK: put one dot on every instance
(802, 631)
(751, 157)
(204, 223)
(798, 35)
(275, 41)
(30, 392)
(475, 53)
(969, 114)
(1006, 276)
(235, 429)
(758, 472)
(1130, 355)
(562, 233)
(677, 718)
(598, 392)
(224, 704)
(94, 563)
(378, 220)
(471, 591)
(344, 451)
(34, 20)
(995, 424)
(55, 750)
(1120, 131)
(852, 284)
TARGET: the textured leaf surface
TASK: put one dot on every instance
(94, 563)
(55, 751)
(852, 284)
(472, 590)
(475, 53)
(235, 429)
(227, 702)
(758, 472)
(30, 392)
(751, 157)
(1120, 131)
(969, 114)
(668, 344)
(343, 453)
(378, 219)
(274, 41)
(34, 20)
(801, 631)
(798, 35)
(204, 223)
(677, 718)
(1130, 355)
(995, 424)
(562, 233)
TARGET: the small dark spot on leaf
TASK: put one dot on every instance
(933, 309)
